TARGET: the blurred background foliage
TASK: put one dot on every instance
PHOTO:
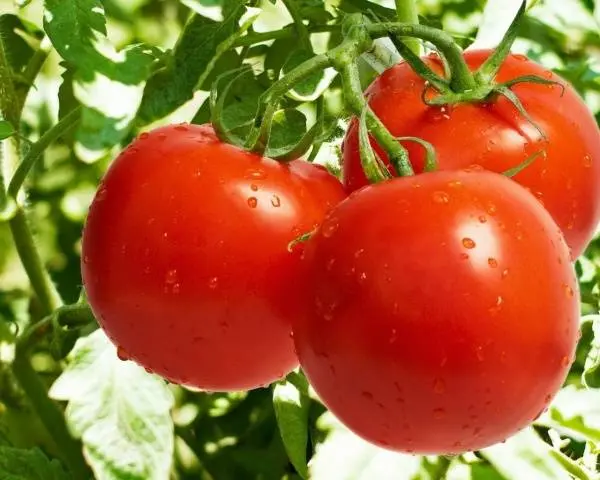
(219, 436)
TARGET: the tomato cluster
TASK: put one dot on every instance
(435, 313)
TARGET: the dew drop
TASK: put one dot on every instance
(86, 259)
(482, 219)
(439, 386)
(359, 252)
(362, 277)
(275, 201)
(479, 354)
(505, 273)
(329, 228)
(568, 290)
(468, 243)
(176, 288)
(254, 187)
(252, 202)
(464, 256)
(491, 209)
(171, 277)
(213, 283)
(492, 262)
(566, 361)
(182, 127)
(394, 336)
(441, 197)
(256, 173)
(455, 184)
(122, 354)
(439, 413)
(330, 264)
(144, 136)
(587, 161)
(162, 136)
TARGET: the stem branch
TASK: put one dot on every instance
(301, 29)
(406, 12)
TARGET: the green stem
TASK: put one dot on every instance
(406, 12)
(301, 29)
(287, 32)
(38, 148)
(269, 100)
(355, 100)
(462, 79)
(49, 413)
(32, 69)
(40, 280)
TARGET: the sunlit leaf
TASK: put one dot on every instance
(18, 464)
(120, 412)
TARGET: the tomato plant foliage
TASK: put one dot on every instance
(81, 80)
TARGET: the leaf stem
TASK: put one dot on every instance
(406, 12)
(356, 102)
(38, 148)
(286, 32)
(301, 29)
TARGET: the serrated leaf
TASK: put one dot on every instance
(288, 128)
(120, 412)
(77, 30)
(6, 129)
(12, 41)
(526, 455)
(345, 456)
(291, 403)
(193, 58)
(591, 373)
(18, 464)
(575, 412)
(312, 87)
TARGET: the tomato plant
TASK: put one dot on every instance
(186, 259)
(418, 338)
(498, 137)
(113, 343)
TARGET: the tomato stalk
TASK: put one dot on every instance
(301, 29)
(406, 12)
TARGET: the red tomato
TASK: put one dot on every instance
(185, 256)
(441, 311)
(497, 137)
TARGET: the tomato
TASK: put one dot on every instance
(496, 136)
(441, 311)
(185, 256)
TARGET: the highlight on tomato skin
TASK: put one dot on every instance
(185, 256)
(441, 313)
(496, 136)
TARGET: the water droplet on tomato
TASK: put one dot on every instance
(464, 256)
(144, 136)
(519, 57)
(149, 370)
(439, 386)
(275, 201)
(491, 209)
(330, 264)
(100, 195)
(329, 228)
(171, 277)
(519, 235)
(394, 336)
(176, 288)
(492, 262)
(568, 290)
(362, 277)
(252, 202)
(86, 259)
(213, 283)
(359, 252)
(548, 398)
(468, 243)
(482, 219)
(587, 161)
(566, 361)
(479, 353)
(439, 413)
(455, 184)
(497, 306)
(505, 273)
(122, 354)
(440, 197)
(257, 174)
(182, 127)
(162, 136)
(254, 187)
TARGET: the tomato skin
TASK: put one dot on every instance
(441, 311)
(185, 256)
(497, 137)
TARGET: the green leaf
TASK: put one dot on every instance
(526, 455)
(591, 373)
(17, 464)
(120, 412)
(193, 59)
(13, 32)
(312, 87)
(6, 129)
(291, 403)
(287, 130)
(345, 456)
(575, 412)
(77, 30)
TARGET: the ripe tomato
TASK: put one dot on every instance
(496, 136)
(441, 311)
(185, 256)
